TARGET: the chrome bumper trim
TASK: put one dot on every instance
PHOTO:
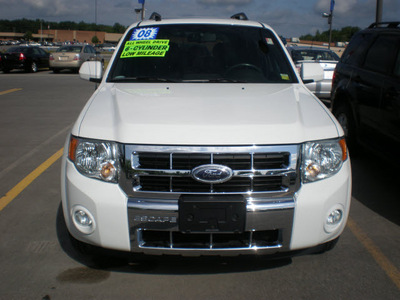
(162, 215)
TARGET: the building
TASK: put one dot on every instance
(55, 35)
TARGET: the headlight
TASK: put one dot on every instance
(322, 159)
(95, 159)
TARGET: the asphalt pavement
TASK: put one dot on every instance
(37, 260)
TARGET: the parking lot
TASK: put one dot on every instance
(37, 260)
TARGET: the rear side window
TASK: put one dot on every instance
(42, 52)
(76, 49)
(382, 55)
(354, 53)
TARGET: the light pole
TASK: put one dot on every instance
(140, 10)
(379, 4)
(330, 17)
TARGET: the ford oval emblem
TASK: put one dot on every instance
(212, 173)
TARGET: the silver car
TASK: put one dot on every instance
(72, 57)
(326, 58)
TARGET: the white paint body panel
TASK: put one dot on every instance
(206, 114)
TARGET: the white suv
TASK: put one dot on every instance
(202, 139)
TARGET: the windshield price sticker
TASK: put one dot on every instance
(145, 48)
(149, 33)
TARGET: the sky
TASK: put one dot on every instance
(290, 18)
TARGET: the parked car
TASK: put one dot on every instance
(31, 59)
(366, 90)
(106, 47)
(72, 57)
(325, 57)
(203, 140)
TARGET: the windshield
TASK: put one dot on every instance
(76, 49)
(201, 53)
(314, 55)
(16, 49)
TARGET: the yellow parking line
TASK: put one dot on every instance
(24, 183)
(9, 91)
(379, 257)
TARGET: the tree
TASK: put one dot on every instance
(342, 35)
(95, 40)
(118, 28)
(24, 25)
(28, 36)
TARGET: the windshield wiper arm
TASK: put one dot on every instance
(141, 79)
(222, 80)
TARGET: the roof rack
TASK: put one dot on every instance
(240, 16)
(155, 16)
(380, 24)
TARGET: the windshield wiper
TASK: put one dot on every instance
(141, 79)
(229, 80)
(218, 80)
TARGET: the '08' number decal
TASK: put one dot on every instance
(149, 33)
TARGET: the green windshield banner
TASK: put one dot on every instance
(145, 48)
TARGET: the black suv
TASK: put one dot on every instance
(366, 89)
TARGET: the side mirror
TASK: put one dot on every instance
(92, 71)
(311, 72)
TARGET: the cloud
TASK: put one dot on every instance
(340, 6)
(56, 7)
(225, 2)
(288, 17)
(358, 12)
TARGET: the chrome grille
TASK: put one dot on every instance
(187, 184)
(167, 169)
(177, 240)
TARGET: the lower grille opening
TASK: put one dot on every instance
(197, 241)
(178, 240)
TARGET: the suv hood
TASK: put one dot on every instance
(205, 114)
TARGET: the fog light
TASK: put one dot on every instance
(83, 220)
(334, 218)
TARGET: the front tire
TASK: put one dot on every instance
(346, 120)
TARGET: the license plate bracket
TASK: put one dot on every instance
(207, 214)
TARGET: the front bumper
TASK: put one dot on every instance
(154, 230)
(149, 225)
